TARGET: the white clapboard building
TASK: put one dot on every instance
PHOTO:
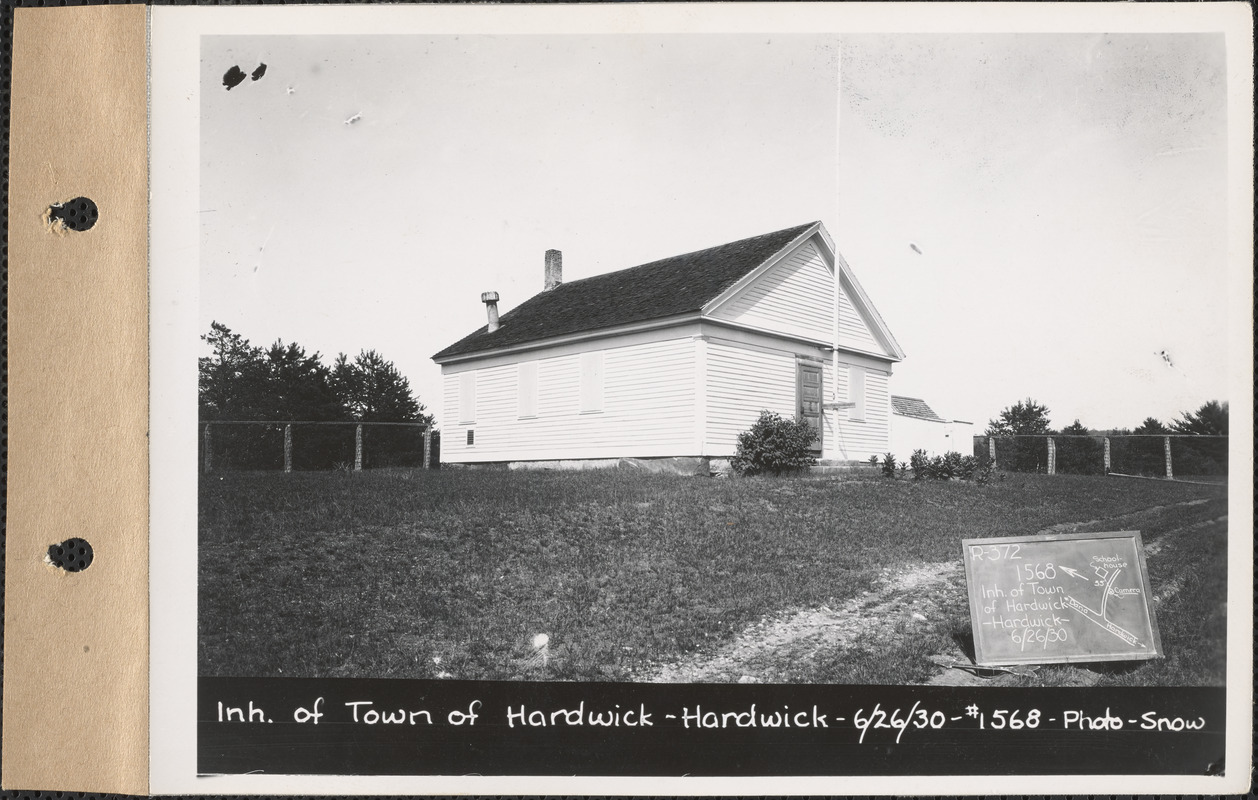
(916, 426)
(675, 358)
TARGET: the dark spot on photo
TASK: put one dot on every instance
(233, 77)
(259, 72)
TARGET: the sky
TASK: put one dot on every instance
(1034, 215)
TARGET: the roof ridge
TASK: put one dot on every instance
(744, 240)
(666, 287)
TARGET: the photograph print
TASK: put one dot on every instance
(804, 359)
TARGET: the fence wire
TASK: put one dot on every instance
(1155, 456)
(237, 445)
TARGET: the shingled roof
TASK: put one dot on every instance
(657, 290)
(912, 407)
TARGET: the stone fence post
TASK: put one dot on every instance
(358, 448)
(209, 450)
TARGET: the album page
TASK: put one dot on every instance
(701, 399)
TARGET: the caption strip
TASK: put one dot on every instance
(343, 726)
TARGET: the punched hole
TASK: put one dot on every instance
(72, 555)
(78, 214)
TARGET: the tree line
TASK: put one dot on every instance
(241, 381)
(282, 383)
(1078, 451)
(1027, 417)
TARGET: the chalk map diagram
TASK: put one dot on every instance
(1107, 572)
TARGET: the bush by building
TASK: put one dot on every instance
(774, 444)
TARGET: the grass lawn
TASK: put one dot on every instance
(417, 574)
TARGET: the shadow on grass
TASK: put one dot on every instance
(1111, 668)
(964, 639)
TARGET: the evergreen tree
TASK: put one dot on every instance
(1151, 426)
(1020, 419)
(299, 386)
(1075, 428)
(372, 390)
(1024, 418)
(1201, 456)
(1209, 420)
(283, 384)
(1078, 453)
(232, 380)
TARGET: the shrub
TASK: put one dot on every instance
(873, 461)
(888, 465)
(966, 467)
(951, 465)
(936, 469)
(979, 469)
(920, 463)
(947, 466)
(985, 472)
(774, 444)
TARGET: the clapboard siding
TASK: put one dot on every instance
(649, 404)
(854, 440)
(854, 330)
(648, 408)
(742, 382)
(795, 297)
(450, 399)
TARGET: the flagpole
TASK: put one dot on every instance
(838, 114)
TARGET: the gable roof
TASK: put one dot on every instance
(913, 407)
(665, 288)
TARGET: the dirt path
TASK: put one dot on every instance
(916, 595)
(912, 594)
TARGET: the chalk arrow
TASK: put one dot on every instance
(1072, 572)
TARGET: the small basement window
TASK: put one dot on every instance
(471, 437)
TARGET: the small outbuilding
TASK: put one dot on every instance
(675, 358)
(916, 426)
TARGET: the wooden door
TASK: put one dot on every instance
(808, 398)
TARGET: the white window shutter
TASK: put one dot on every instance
(467, 397)
(856, 392)
(592, 381)
(527, 388)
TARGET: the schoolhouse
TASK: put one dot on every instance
(675, 358)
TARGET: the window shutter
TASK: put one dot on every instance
(592, 381)
(856, 392)
(467, 397)
(527, 388)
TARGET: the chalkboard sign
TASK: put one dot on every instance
(1060, 598)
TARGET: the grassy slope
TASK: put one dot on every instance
(411, 574)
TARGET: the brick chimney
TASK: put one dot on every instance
(554, 270)
(490, 299)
